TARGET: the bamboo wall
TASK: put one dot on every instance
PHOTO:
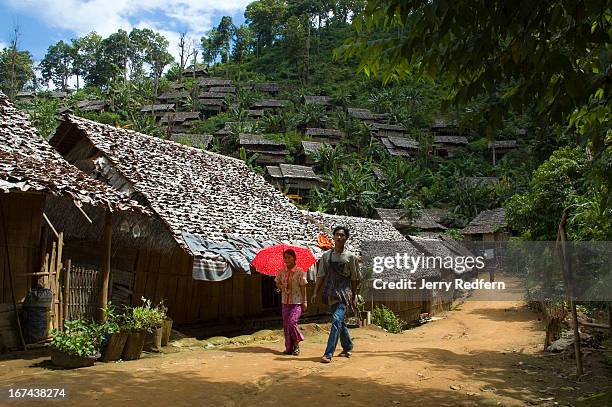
(22, 217)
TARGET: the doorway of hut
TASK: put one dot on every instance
(270, 297)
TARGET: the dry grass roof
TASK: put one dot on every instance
(503, 144)
(311, 147)
(162, 107)
(270, 103)
(270, 87)
(246, 139)
(179, 117)
(489, 221)
(400, 146)
(215, 82)
(318, 100)
(29, 163)
(318, 132)
(421, 221)
(193, 190)
(456, 140)
(212, 95)
(362, 114)
(222, 89)
(92, 105)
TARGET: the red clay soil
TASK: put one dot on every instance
(485, 353)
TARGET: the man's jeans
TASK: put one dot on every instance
(338, 329)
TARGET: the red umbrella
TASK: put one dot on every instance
(270, 260)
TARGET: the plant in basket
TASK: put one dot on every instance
(115, 333)
(78, 345)
(144, 321)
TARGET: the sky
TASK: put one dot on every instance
(42, 23)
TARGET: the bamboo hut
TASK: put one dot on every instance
(489, 225)
(34, 178)
(422, 222)
(447, 146)
(401, 146)
(210, 214)
(269, 152)
(295, 179)
(330, 136)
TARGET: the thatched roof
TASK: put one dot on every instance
(174, 95)
(255, 113)
(58, 95)
(176, 85)
(213, 102)
(192, 190)
(311, 147)
(215, 82)
(92, 105)
(25, 94)
(29, 163)
(361, 229)
(318, 100)
(489, 221)
(437, 214)
(331, 133)
(456, 140)
(396, 216)
(438, 247)
(391, 249)
(212, 95)
(274, 171)
(198, 70)
(400, 146)
(179, 117)
(194, 140)
(442, 124)
(258, 140)
(162, 107)
(503, 144)
(362, 114)
(270, 103)
(222, 89)
(389, 127)
(291, 171)
(270, 87)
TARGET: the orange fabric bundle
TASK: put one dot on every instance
(324, 242)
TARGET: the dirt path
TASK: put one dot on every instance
(484, 353)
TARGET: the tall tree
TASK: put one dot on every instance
(243, 43)
(210, 46)
(139, 42)
(184, 54)
(265, 18)
(226, 32)
(15, 67)
(158, 57)
(56, 66)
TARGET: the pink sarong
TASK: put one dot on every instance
(291, 315)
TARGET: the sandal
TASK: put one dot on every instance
(325, 359)
(296, 352)
(346, 353)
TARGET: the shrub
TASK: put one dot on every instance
(79, 338)
(145, 317)
(386, 319)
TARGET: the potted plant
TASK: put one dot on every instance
(141, 321)
(115, 334)
(77, 345)
(155, 318)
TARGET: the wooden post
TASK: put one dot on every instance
(106, 264)
(66, 291)
(569, 289)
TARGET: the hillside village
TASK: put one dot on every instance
(131, 177)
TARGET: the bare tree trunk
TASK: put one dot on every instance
(569, 287)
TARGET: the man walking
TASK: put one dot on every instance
(338, 273)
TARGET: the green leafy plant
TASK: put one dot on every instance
(146, 317)
(386, 319)
(79, 338)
